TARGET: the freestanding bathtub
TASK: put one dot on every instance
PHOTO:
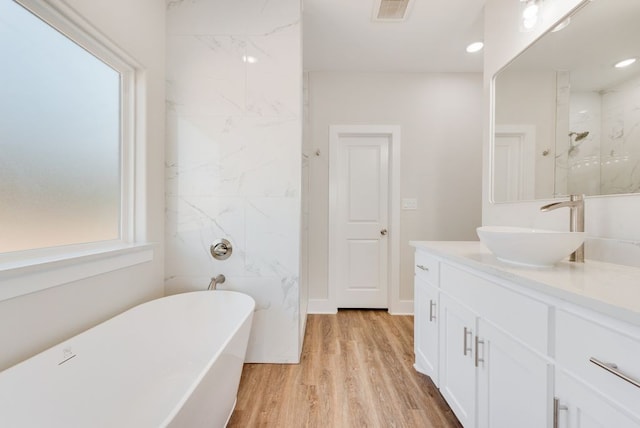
(170, 362)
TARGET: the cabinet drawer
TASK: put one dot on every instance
(521, 316)
(427, 267)
(578, 340)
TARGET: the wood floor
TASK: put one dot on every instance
(356, 371)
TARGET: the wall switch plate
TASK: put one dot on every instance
(410, 204)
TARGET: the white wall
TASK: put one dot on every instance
(441, 150)
(533, 103)
(612, 219)
(234, 132)
(34, 322)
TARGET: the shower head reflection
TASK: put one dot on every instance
(579, 135)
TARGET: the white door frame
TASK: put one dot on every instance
(393, 132)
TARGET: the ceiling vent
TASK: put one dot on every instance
(391, 10)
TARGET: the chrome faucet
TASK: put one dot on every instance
(215, 281)
(576, 221)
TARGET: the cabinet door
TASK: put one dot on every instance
(514, 382)
(582, 407)
(457, 369)
(426, 328)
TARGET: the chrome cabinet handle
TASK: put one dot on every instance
(466, 349)
(424, 268)
(613, 368)
(556, 409)
(383, 232)
(432, 305)
(478, 359)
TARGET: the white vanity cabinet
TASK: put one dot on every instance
(485, 368)
(426, 301)
(514, 382)
(515, 347)
(581, 406)
(588, 394)
(491, 373)
(427, 316)
(457, 370)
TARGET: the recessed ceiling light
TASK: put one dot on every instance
(625, 63)
(475, 47)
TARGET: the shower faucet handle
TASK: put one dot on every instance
(221, 249)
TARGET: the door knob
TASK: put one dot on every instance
(383, 232)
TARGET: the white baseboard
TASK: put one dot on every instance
(403, 307)
(321, 306)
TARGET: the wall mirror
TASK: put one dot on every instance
(566, 120)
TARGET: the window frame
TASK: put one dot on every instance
(78, 261)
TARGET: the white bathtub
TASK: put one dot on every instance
(171, 362)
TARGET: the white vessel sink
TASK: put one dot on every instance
(529, 247)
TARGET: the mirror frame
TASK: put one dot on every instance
(492, 113)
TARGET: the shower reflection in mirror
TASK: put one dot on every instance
(581, 114)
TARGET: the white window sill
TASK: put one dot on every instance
(28, 272)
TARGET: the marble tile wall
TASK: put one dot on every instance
(233, 158)
(621, 138)
(607, 161)
(583, 155)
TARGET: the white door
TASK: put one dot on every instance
(360, 207)
(514, 163)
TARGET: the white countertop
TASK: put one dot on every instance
(607, 288)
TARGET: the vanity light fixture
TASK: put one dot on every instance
(530, 14)
(475, 47)
(625, 63)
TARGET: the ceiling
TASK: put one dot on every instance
(599, 35)
(340, 35)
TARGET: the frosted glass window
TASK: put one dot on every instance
(60, 138)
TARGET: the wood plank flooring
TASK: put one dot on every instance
(356, 370)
